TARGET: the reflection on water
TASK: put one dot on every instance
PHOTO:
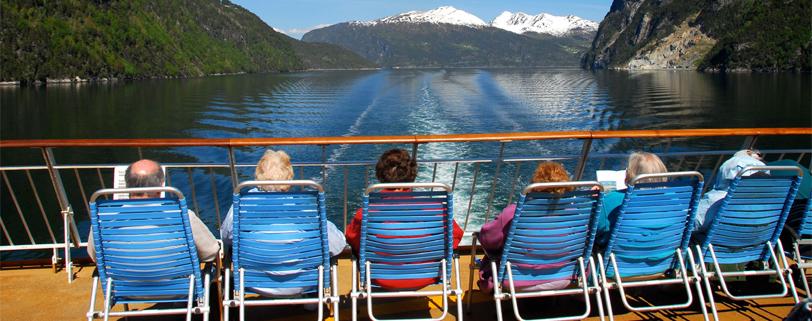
(399, 102)
(393, 102)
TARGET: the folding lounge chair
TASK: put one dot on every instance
(650, 238)
(551, 238)
(280, 244)
(406, 235)
(746, 228)
(803, 236)
(145, 253)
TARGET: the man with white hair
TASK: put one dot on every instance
(148, 173)
(710, 202)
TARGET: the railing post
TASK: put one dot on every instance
(324, 165)
(232, 164)
(414, 151)
(579, 172)
(69, 225)
(495, 179)
(749, 142)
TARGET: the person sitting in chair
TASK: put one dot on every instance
(276, 166)
(639, 163)
(492, 235)
(394, 166)
(148, 173)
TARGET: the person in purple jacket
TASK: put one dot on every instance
(492, 235)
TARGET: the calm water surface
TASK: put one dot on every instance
(393, 102)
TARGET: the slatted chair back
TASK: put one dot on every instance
(752, 213)
(549, 232)
(145, 246)
(805, 227)
(406, 234)
(654, 220)
(280, 238)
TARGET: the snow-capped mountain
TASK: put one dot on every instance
(521, 22)
(445, 14)
(448, 37)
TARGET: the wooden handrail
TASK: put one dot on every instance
(408, 139)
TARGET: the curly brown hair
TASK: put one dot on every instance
(396, 166)
(549, 172)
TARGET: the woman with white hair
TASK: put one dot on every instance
(639, 163)
(275, 166)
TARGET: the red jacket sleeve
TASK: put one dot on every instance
(353, 232)
(458, 232)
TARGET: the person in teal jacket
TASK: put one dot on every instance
(639, 163)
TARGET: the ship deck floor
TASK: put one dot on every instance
(36, 293)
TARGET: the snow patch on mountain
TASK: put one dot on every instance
(445, 14)
(521, 22)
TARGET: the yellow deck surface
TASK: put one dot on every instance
(40, 294)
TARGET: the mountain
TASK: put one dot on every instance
(448, 37)
(543, 23)
(708, 35)
(445, 14)
(146, 39)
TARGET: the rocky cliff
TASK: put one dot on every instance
(710, 35)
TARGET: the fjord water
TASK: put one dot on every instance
(392, 102)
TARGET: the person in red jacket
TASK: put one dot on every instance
(394, 166)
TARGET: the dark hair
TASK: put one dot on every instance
(396, 166)
(154, 179)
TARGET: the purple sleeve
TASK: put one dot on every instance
(492, 235)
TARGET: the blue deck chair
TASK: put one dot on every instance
(650, 238)
(406, 235)
(145, 253)
(802, 235)
(746, 228)
(280, 242)
(551, 238)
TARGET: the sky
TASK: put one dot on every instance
(296, 17)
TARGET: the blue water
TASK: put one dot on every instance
(386, 102)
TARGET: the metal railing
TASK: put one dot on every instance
(484, 181)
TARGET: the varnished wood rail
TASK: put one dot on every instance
(406, 139)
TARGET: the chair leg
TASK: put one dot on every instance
(497, 293)
(697, 282)
(706, 278)
(471, 267)
(206, 288)
(605, 286)
(226, 304)
(320, 305)
(596, 287)
(190, 299)
(458, 294)
(242, 294)
(107, 300)
(354, 291)
(335, 292)
(778, 271)
(218, 269)
(91, 311)
(799, 262)
(786, 270)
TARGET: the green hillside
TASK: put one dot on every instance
(144, 39)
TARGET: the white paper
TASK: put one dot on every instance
(612, 180)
